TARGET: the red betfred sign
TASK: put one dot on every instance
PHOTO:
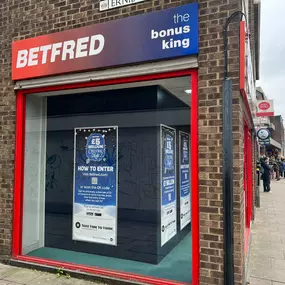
(147, 37)
(264, 108)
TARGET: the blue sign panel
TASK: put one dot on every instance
(168, 183)
(95, 185)
(184, 165)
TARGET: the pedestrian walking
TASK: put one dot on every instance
(272, 168)
(266, 174)
(281, 167)
(278, 165)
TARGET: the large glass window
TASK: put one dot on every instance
(107, 178)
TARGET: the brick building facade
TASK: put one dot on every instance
(22, 19)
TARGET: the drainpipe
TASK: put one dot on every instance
(228, 164)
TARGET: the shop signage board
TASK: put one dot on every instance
(168, 183)
(247, 83)
(112, 4)
(152, 36)
(184, 164)
(263, 135)
(256, 121)
(261, 121)
(265, 108)
(249, 74)
(264, 142)
(95, 190)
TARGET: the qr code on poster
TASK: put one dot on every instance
(94, 180)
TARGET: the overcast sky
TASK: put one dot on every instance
(272, 53)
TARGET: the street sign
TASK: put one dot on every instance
(112, 4)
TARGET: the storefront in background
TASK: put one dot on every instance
(118, 142)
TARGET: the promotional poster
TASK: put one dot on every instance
(168, 183)
(184, 164)
(95, 185)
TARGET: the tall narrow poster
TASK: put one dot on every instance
(95, 192)
(168, 183)
(184, 181)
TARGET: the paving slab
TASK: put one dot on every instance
(2, 265)
(72, 281)
(258, 281)
(46, 279)
(23, 276)
(3, 282)
(259, 245)
(10, 275)
(278, 264)
(7, 271)
(256, 261)
(271, 274)
(267, 255)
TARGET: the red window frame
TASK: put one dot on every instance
(248, 191)
(19, 179)
(248, 175)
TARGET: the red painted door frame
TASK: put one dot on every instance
(19, 179)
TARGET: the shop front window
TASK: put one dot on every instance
(107, 178)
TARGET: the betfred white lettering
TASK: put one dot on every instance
(68, 49)
(22, 58)
(172, 32)
(185, 43)
(172, 43)
(33, 58)
(45, 50)
(55, 50)
(61, 51)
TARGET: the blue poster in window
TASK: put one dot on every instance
(184, 181)
(168, 183)
(95, 191)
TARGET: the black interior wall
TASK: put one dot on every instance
(139, 174)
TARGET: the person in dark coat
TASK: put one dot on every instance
(266, 174)
(278, 164)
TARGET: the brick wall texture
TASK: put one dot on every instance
(20, 19)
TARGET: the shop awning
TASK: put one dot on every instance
(275, 143)
(184, 63)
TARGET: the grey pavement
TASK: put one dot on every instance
(267, 252)
(18, 276)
